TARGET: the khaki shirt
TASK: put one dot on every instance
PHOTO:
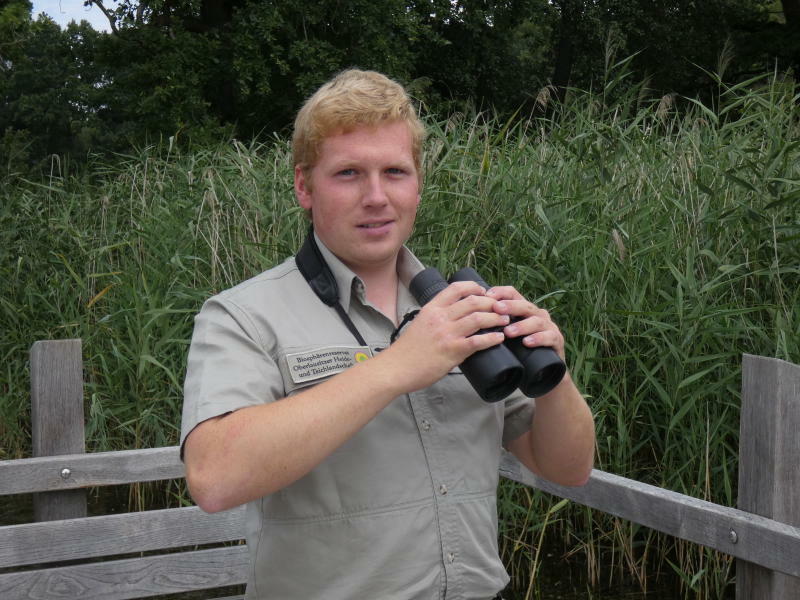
(405, 509)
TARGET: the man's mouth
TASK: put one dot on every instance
(374, 225)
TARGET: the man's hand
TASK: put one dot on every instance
(443, 334)
(534, 325)
(560, 444)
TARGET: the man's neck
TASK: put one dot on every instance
(381, 288)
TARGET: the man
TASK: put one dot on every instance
(369, 468)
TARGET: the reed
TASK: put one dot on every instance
(663, 236)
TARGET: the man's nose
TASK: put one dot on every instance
(374, 192)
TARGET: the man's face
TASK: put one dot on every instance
(363, 194)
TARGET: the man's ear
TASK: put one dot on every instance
(302, 188)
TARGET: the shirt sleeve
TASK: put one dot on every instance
(519, 411)
(229, 366)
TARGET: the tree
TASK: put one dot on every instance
(251, 62)
(493, 54)
(791, 13)
(45, 88)
(198, 70)
(673, 43)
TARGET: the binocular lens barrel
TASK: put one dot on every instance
(493, 372)
(426, 284)
(543, 368)
(497, 371)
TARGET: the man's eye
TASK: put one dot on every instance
(395, 171)
(347, 172)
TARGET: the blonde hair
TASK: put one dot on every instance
(351, 99)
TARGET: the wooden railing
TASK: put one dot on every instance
(763, 533)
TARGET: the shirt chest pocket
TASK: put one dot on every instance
(302, 367)
(455, 386)
(456, 403)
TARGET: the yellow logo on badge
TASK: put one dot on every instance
(361, 357)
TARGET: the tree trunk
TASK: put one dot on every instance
(216, 13)
(791, 11)
(565, 47)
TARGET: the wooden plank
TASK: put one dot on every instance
(26, 475)
(632, 502)
(131, 578)
(57, 419)
(40, 543)
(769, 449)
(757, 539)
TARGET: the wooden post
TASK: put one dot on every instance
(769, 454)
(57, 420)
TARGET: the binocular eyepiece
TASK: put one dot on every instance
(497, 371)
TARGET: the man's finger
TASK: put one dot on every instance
(456, 291)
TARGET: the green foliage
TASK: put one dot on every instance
(125, 265)
(282, 51)
(14, 17)
(491, 54)
(160, 96)
(203, 70)
(42, 91)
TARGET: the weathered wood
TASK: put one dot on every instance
(767, 547)
(758, 539)
(769, 450)
(678, 515)
(131, 578)
(74, 539)
(26, 475)
(57, 418)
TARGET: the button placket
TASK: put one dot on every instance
(439, 472)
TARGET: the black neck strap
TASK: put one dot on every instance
(319, 276)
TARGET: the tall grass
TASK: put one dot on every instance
(664, 241)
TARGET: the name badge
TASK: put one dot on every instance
(322, 362)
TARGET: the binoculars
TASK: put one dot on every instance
(497, 371)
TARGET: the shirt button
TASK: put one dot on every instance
(443, 489)
(425, 424)
(451, 557)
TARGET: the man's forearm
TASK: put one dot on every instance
(560, 445)
(254, 451)
(563, 437)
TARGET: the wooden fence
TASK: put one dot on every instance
(763, 533)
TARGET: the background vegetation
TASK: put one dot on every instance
(664, 241)
(202, 70)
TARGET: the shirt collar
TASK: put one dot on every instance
(408, 266)
(348, 282)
